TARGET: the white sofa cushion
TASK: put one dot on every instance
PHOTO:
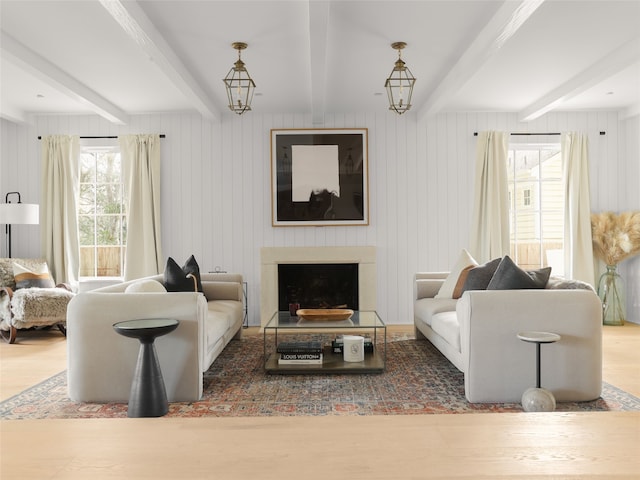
(446, 325)
(216, 324)
(425, 308)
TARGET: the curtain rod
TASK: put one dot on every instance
(162, 135)
(475, 134)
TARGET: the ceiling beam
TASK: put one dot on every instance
(40, 67)
(14, 115)
(318, 33)
(497, 32)
(130, 16)
(630, 111)
(610, 64)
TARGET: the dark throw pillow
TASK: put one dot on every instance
(191, 266)
(181, 279)
(540, 276)
(479, 277)
(509, 276)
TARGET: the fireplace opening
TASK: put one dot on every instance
(322, 285)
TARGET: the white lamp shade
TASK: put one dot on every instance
(19, 214)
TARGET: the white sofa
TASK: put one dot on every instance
(478, 334)
(100, 363)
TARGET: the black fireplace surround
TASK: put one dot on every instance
(318, 285)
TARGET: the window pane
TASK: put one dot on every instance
(86, 227)
(527, 227)
(526, 164)
(87, 258)
(87, 199)
(108, 198)
(87, 167)
(553, 226)
(528, 240)
(108, 168)
(108, 230)
(109, 261)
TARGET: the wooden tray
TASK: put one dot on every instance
(325, 314)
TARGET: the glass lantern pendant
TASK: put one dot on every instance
(400, 83)
(239, 85)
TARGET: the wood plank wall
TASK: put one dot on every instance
(216, 187)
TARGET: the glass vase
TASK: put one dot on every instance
(611, 293)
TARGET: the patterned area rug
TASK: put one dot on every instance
(418, 380)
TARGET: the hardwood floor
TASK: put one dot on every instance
(483, 446)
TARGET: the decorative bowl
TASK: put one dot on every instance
(324, 314)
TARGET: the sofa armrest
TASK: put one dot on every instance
(498, 365)
(222, 286)
(100, 363)
(427, 284)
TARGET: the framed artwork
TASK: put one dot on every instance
(319, 177)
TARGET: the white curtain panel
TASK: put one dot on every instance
(141, 169)
(578, 247)
(490, 221)
(58, 216)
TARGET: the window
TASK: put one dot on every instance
(102, 218)
(536, 205)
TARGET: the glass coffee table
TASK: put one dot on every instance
(282, 327)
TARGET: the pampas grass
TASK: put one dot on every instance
(616, 237)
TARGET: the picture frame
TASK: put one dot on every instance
(319, 177)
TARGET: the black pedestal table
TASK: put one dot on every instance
(148, 397)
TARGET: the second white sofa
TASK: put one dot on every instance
(100, 363)
(478, 334)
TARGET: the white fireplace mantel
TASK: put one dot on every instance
(271, 257)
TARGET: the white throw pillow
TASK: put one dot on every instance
(146, 286)
(465, 260)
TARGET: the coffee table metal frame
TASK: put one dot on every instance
(362, 322)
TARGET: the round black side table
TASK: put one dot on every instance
(148, 397)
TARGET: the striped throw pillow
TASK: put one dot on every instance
(38, 277)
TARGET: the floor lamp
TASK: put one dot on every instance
(17, 214)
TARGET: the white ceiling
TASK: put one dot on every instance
(119, 58)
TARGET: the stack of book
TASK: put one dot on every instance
(337, 345)
(300, 353)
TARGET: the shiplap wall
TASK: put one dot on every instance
(216, 197)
